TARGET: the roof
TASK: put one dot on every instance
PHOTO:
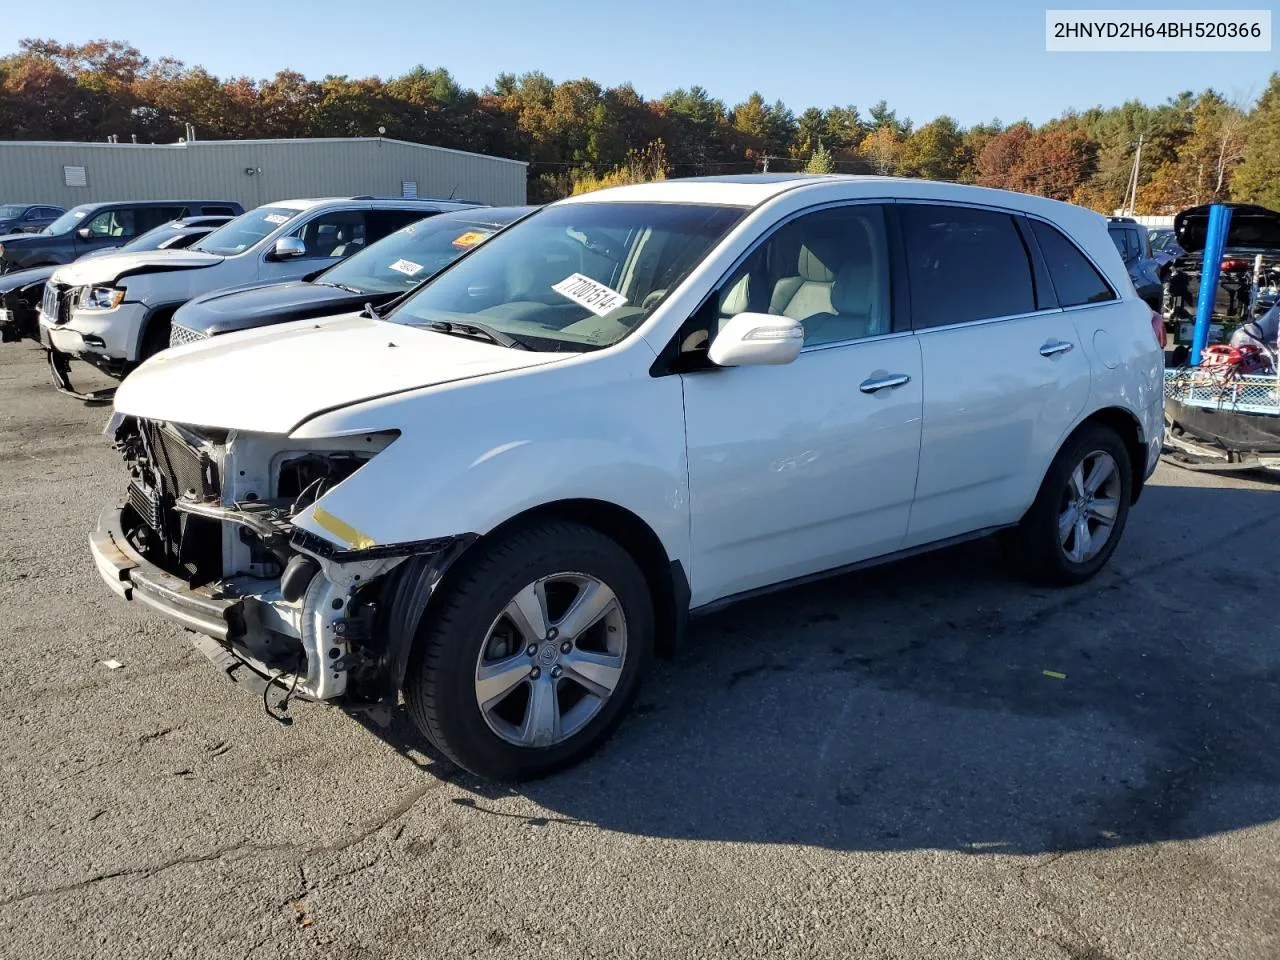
(306, 203)
(278, 141)
(752, 190)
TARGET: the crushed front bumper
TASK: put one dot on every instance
(205, 610)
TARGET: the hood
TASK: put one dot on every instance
(24, 278)
(1251, 228)
(114, 266)
(240, 309)
(21, 239)
(271, 381)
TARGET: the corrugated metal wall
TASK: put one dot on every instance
(282, 169)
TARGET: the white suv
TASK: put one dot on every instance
(113, 311)
(634, 405)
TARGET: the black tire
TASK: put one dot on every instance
(440, 685)
(1035, 546)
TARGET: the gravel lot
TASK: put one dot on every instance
(876, 766)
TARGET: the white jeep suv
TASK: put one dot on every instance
(505, 495)
(113, 311)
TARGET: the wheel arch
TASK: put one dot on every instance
(667, 579)
(161, 313)
(1129, 429)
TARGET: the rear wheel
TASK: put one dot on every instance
(1079, 514)
(534, 654)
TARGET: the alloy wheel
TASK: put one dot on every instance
(551, 659)
(1089, 508)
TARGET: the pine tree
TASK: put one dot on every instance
(820, 160)
(1257, 179)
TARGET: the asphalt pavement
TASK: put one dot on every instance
(926, 760)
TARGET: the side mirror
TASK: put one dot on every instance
(287, 248)
(756, 338)
(83, 233)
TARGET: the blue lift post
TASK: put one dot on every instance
(1214, 241)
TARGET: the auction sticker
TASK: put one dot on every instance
(470, 239)
(276, 218)
(586, 292)
(407, 267)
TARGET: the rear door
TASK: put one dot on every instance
(1004, 374)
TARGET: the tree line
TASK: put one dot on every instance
(575, 134)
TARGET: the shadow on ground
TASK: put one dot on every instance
(909, 707)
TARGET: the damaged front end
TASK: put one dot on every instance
(206, 535)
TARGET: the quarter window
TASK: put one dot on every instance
(964, 264)
(829, 270)
(1075, 279)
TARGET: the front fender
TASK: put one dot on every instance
(464, 467)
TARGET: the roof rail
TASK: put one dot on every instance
(474, 203)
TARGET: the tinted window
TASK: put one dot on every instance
(384, 222)
(829, 270)
(147, 218)
(216, 210)
(1126, 241)
(1075, 279)
(50, 212)
(964, 264)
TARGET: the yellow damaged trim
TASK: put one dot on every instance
(340, 528)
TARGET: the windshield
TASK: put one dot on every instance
(8, 211)
(575, 277)
(245, 231)
(408, 256)
(69, 220)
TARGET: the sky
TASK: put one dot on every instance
(975, 62)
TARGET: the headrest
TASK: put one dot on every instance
(852, 292)
(818, 256)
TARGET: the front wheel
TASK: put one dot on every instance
(1077, 518)
(534, 653)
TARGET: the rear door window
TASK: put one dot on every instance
(147, 218)
(964, 264)
(382, 223)
(1075, 279)
(217, 210)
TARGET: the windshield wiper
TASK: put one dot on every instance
(481, 330)
(337, 286)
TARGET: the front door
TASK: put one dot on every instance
(806, 467)
(328, 238)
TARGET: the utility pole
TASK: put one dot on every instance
(1131, 195)
(766, 164)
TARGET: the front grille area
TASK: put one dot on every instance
(178, 336)
(184, 472)
(167, 468)
(49, 305)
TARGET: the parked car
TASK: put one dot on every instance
(27, 217)
(114, 311)
(375, 276)
(21, 292)
(1251, 252)
(1164, 246)
(631, 406)
(1130, 238)
(93, 226)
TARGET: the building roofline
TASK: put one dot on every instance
(262, 142)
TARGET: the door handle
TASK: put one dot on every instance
(884, 383)
(1055, 347)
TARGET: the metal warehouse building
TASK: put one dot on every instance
(251, 171)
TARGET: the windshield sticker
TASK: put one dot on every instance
(79, 214)
(276, 218)
(407, 267)
(469, 239)
(586, 292)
